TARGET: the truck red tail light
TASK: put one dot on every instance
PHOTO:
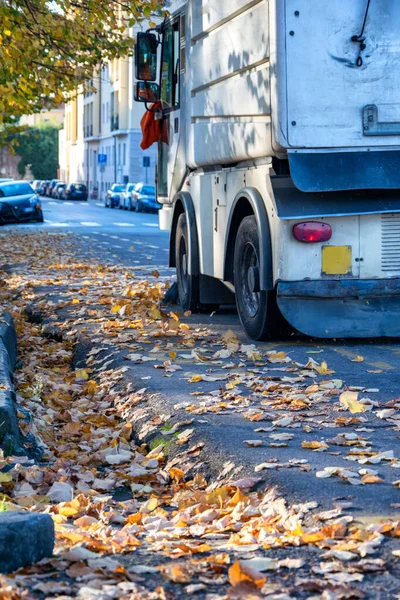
(312, 231)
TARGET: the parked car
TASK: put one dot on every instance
(45, 185)
(74, 191)
(114, 195)
(37, 186)
(57, 190)
(143, 197)
(19, 202)
(51, 186)
(126, 197)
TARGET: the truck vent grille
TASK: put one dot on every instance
(391, 242)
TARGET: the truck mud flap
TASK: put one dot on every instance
(342, 309)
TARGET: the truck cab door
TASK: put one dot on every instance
(170, 95)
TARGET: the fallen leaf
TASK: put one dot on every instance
(358, 359)
(239, 572)
(350, 401)
(254, 443)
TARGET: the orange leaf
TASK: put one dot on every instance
(239, 572)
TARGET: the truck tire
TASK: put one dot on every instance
(188, 285)
(258, 311)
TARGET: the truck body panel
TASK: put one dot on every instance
(228, 100)
(326, 92)
(269, 83)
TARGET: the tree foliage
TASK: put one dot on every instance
(38, 147)
(48, 49)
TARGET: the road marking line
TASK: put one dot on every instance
(90, 224)
(114, 237)
(381, 365)
(346, 352)
(127, 240)
(151, 224)
(83, 203)
(124, 224)
(46, 221)
(99, 204)
(59, 224)
(115, 246)
(53, 203)
(104, 234)
(392, 349)
(377, 365)
(68, 203)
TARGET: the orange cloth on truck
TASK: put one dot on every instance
(153, 130)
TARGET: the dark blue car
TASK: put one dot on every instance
(143, 197)
(19, 202)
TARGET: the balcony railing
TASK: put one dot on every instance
(88, 131)
(115, 123)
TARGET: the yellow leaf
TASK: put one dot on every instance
(75, 301)
(5, 477)
(172, 355)
(116, 308)
(150, 505)
(155, 314)
(323, 369)
(82, 374)
(230, 337)
(350, 401)
(358, 359)
(90, 388)
(196, 379)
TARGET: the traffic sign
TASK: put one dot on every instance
(146, 161)
(102, 159)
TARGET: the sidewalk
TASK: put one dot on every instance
(106, 370)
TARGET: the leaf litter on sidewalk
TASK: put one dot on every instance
(174, 534)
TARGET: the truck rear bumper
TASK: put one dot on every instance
(346, 308)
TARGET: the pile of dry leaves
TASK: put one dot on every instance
(131, 523)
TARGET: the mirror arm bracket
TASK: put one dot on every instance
(160, 113)
(158, 32)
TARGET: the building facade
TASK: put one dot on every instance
(71, 143)
(106, 121)
(55, 117)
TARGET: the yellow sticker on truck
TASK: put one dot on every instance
(336, 260)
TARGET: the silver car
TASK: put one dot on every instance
(126, 203)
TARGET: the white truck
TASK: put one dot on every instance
(279, 159)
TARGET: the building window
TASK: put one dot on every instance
(124, 157)
(119, 154)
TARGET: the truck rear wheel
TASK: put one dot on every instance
(188, 285)
(258, 311)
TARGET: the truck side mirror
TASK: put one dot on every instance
(146, 91)
(146, 56)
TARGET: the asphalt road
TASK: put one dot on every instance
(134, 239)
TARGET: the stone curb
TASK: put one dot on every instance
(25, 538)
(10, 441)
(8, 336)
